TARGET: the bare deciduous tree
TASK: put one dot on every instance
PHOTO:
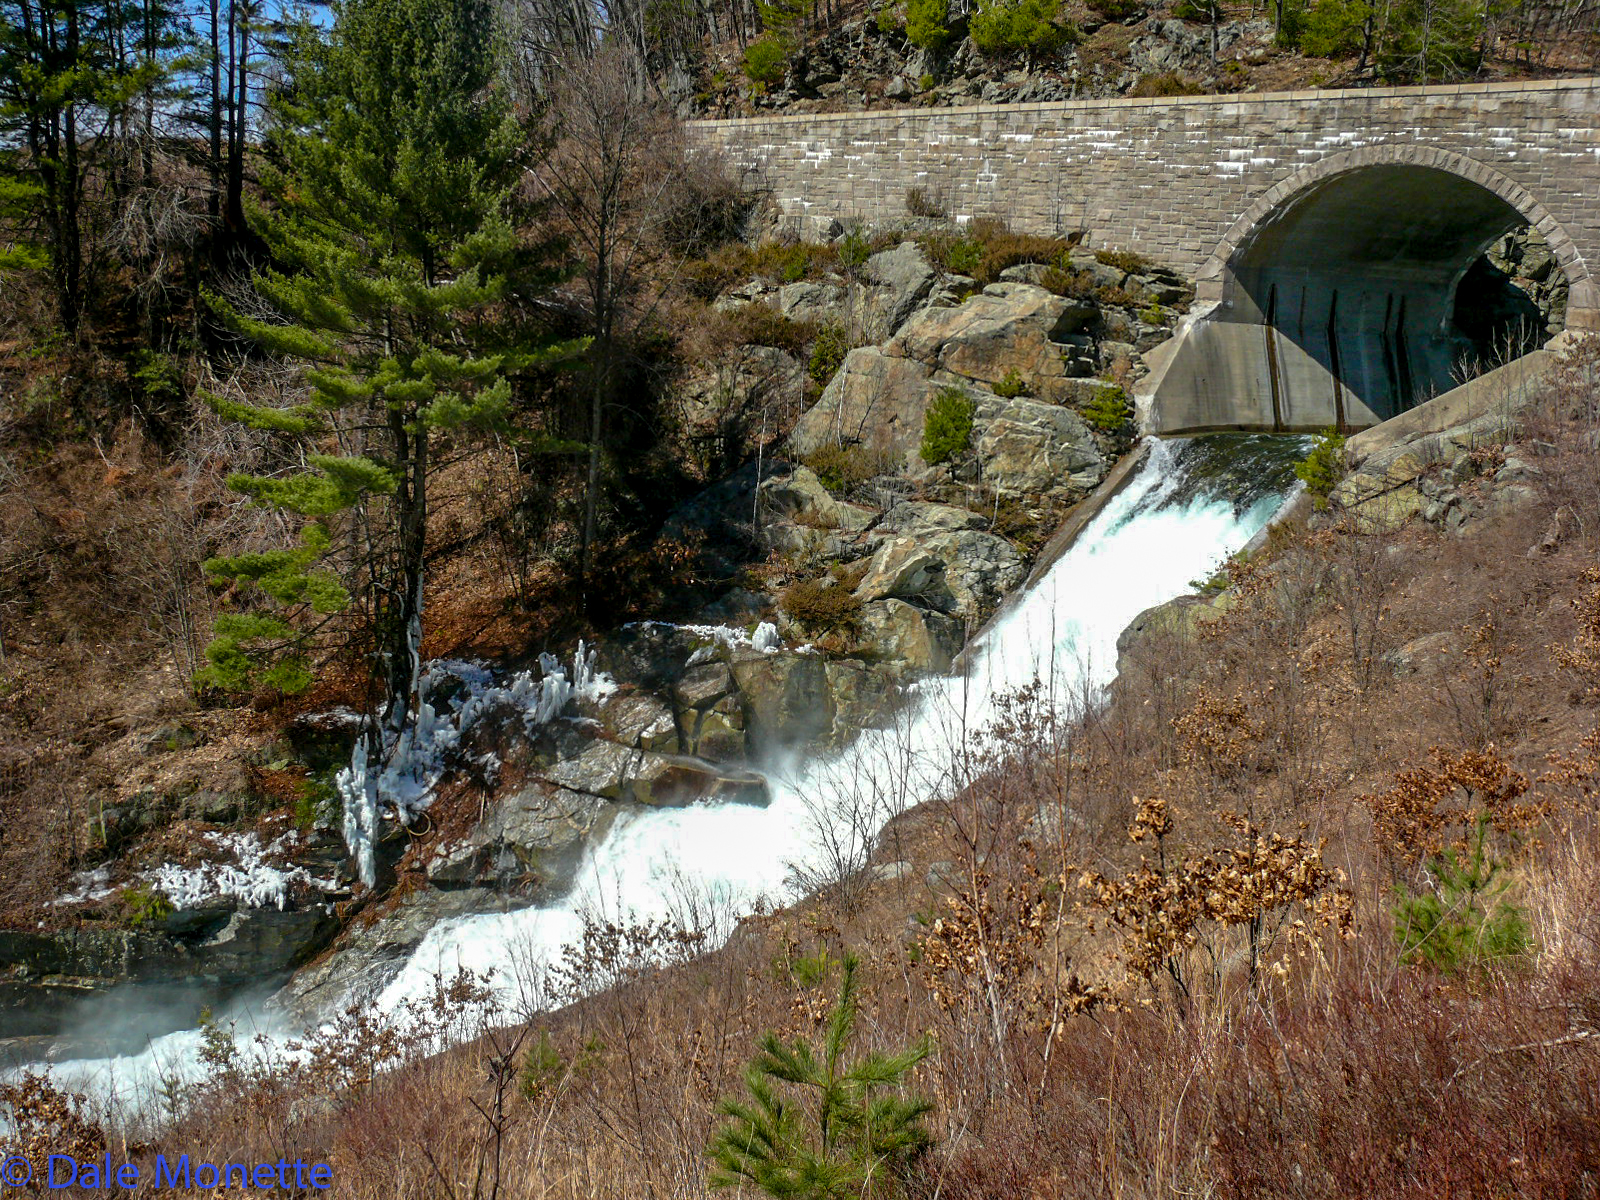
(617, 160)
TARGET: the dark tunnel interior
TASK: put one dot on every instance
(1379, 274)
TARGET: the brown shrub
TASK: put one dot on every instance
(821, 605)
(1165, 83)
(760, 324)
(1130, 261)
(843, 468)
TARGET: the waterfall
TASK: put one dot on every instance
(1186, 507)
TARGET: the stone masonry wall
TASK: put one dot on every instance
(1184, 179)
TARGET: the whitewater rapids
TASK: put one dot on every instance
(1185, 509)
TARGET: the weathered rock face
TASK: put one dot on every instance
(786, 699)
(923, 639)
(962, 573)
(1009, 328)
(799, 516)
(640, 720)
(980, 569)
(1027, 446)
(1180, 617)
(810, 301)
(864, 697)
(908, 278)
(914, 517)
(531, 841)
(877, 399)
(1446, 459)
(617, 772)
(368, 954)
(1011, 331)
(48, 974)
(721, 404)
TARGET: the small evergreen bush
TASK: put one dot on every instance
(947, 429)
(854, 250)
(958, 255)
(159, 376)
(1333, 28)
(1012, 386)
(765, 61)
(783, 19)
(1110, 410)
(927, 24)
(828, 352)
(818, 1126)
(1029, 26)
(1465, 921)
(1323, 468)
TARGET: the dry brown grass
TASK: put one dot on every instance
(1237, 1044)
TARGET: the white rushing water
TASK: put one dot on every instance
(1143, 548)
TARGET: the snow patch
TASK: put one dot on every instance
(765, 639)
(87, 886)
(257, 878)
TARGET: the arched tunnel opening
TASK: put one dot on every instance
(1399, 282)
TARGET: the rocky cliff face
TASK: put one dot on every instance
(862, 65)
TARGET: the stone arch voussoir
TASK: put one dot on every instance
(1583, 302)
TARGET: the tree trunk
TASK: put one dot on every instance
(215, 203)
(71, 249)
(591, 499)
(401, 628)
(238, 97)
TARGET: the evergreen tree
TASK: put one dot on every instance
(842, 1139)
(1434, 39)
(1334, 28)
(928, 24)
(80, 82)
(395, 259)
(19, 196)
(1032, 26)
(62, 78)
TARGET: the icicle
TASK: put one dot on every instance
(765, 638)
(405, 770)
(358, 789)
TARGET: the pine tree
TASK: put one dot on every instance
(842, 1139)
(62, 78)
(19, 196)
(391, 231)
